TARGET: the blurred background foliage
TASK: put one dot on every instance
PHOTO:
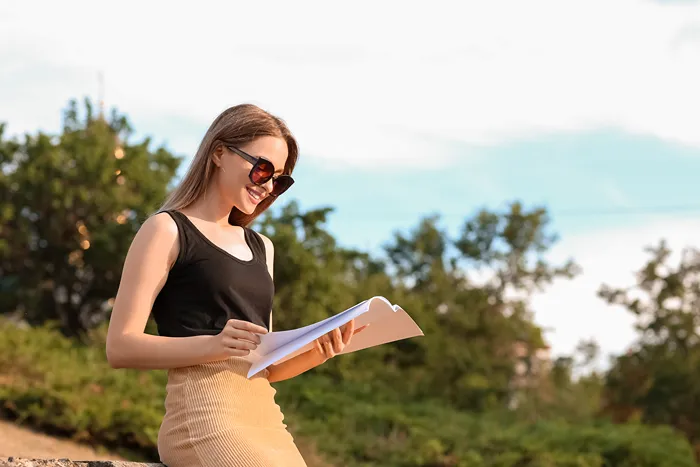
(479, 389)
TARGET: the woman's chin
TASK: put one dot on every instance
(247, 207)
(247, 210)
(249, 204)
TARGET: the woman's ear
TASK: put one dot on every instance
(217, 155)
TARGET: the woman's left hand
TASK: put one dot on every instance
(331, 344)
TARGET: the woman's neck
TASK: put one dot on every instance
(211, 208)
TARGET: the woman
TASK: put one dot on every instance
(207, 279)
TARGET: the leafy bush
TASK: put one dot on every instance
(352, 430)
(58, 385)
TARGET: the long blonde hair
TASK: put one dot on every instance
(235, 126)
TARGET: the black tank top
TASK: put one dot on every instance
(207, 286)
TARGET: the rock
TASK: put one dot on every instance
(18, 462)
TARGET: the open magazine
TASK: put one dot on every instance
(387, 322)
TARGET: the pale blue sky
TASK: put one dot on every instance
(541, 101)
(588, 181)
(579, 176)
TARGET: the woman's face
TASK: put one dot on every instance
(234, 182)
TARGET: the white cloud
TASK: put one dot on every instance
(572, 310)
(341, 76)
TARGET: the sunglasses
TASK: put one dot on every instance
(263, 171)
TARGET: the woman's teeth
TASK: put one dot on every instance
(255, 195)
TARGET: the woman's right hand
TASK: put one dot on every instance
(237, 339)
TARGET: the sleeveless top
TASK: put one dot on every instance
(207, 286)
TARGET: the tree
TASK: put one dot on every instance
(570, 391)
(69, 207)
(466, 356)
(472, 295)
(658, 380)
(511, 246)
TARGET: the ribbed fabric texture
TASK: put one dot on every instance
(216, 417)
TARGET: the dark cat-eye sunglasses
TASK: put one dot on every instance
(262, 171)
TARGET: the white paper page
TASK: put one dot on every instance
(271, 341)
(389, 323)
(317, 330)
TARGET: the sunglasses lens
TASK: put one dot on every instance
(262, 172)
(281, 184)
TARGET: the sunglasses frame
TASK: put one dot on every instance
(256, 161)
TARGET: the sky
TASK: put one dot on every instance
(590, 108)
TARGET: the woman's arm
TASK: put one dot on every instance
(295, 366)
(151, 254)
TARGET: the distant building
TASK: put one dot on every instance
(531, 365)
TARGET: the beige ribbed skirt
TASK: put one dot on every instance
(216, 417)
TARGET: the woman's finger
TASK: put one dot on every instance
(329, 350)
(238, 344)
(348, 331)
(361, 328)
(241, 334)
(338, 342)
(246, 326)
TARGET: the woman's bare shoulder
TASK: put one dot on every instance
(266, 240)
(161, 225)
(158, 235)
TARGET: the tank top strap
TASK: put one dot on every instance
(187, 237)
(256, 244)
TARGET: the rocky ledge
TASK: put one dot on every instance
(19, 462)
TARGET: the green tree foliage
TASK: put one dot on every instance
(71, 203)
(658, 380)
(69, 207)
(51, 383)
(512, 244)
(570, 391)
(471, 325)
